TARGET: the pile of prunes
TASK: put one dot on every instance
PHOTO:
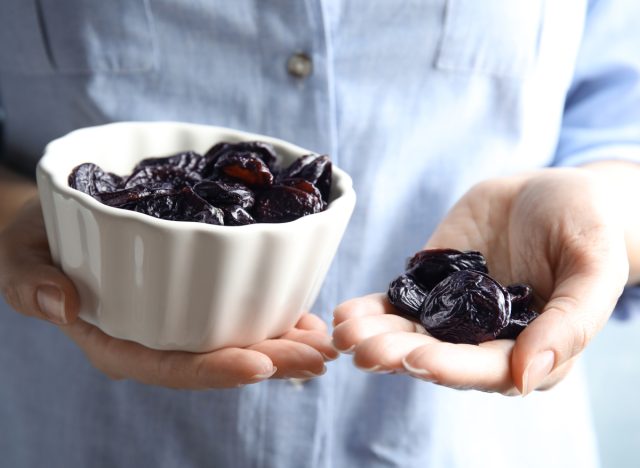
(231, 184)
(452, 295)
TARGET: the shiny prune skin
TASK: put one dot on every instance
(180, 170)
(430, 267)
(280, 204)
(182, 205)
(235, 215)
(517, 323)
(92, 180)
(314, 168)
(259, 149)
(406, 296)
(218, 193)
(246, 168)
(220, 187)
(466, 307)
(123, 197)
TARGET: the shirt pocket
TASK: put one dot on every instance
(76, 36)
(492, 37)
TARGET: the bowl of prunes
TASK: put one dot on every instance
(191, 237)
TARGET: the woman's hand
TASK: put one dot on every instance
(32, 285)
(557, 230)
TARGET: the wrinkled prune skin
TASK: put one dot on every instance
(281, 203)
(183, 205)
(235, 215)
(245, 167)
(314, 168)
(258, 149)
(123, 197)
(233, 184)
(522, 313)
(466, 307)
(406, 296)
(92, 180)
(180, 170)
(219, 193)
(429, 267)
(517, 323)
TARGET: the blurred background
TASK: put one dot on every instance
(613, 371)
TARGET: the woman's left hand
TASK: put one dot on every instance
(555, 229)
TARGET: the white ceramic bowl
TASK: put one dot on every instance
(182, 285)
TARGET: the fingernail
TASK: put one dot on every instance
(423, 374)
(345, 351)
(536, 371)
(377, 369)
(330, 358)
(266, 375)
(311, 375)
(51, 303)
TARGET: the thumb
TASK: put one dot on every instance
(579, 307)
(29, 281)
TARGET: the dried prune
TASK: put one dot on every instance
(180, 170)
(312, 167)
(245, 167)
(406, 296)
(92, 180)
(466, 307)
(221, 187)
(235, 215)
(218, 192)
(258, 149)
(281, 203)
(183, 205)
(123, 197)
(517, 323)
(429, 267)
(457, 300)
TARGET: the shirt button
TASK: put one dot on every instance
(299, 65)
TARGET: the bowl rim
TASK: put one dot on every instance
(46, 168)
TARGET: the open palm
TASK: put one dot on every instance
(552, 229)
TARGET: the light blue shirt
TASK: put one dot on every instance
(417, 100)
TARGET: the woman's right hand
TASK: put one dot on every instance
(33, 286)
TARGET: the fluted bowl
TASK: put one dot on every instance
(182, 285)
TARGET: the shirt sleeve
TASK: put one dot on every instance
(602, 112)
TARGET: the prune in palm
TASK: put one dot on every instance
(430, 267)
(407, 296)
(92, 180)
(466, 307)
(522, 312)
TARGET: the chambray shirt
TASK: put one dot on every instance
(417, 100)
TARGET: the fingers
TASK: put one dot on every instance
(576, 311)
(484, 367)
(373, 304)
(291, 358)
(385, 353)
(311, 322)
(318, 340)
(351, 333)
(28, 280)
(229, 367)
